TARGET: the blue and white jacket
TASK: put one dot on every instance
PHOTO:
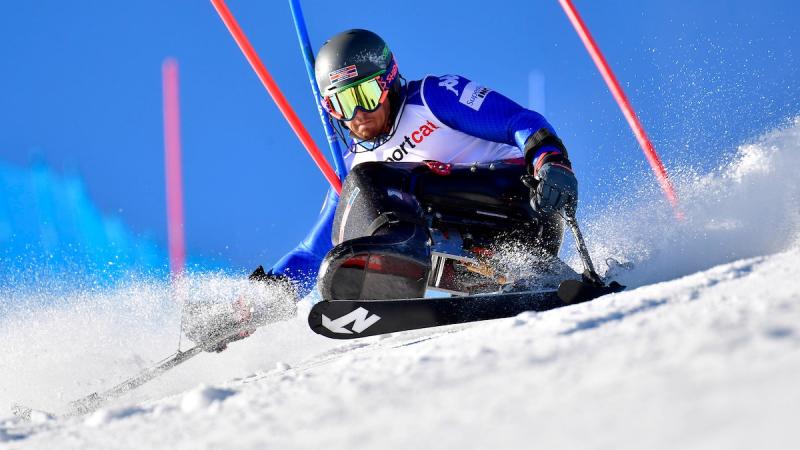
(448, 119)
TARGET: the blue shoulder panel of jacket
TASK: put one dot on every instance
(476, 110)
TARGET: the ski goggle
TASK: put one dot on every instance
(367, 95)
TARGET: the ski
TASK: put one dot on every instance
(350, 319)
(95, 400)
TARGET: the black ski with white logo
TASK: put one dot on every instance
(350, 319)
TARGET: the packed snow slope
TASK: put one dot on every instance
(702, 352)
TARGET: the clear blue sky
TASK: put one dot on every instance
(81, 90)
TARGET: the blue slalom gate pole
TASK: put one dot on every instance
(308, 56)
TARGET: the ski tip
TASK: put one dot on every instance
(21, 411)
(29, 414)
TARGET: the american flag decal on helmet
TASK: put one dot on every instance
(344, 73)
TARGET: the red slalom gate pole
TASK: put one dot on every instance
(276, 94)
(172, 160)
(624, 104)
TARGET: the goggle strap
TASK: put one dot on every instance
(356, 83)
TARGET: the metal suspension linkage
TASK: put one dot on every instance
(589, 273)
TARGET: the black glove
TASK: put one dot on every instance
(555, 188)
(260, 275)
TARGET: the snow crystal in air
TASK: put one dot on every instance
(745, 208)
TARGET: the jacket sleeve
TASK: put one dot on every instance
(471, 108)
(302, 264)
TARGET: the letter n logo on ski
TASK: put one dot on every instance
(360, 318)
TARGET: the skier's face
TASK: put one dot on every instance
(368, 125)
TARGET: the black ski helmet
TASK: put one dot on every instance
(349, 57)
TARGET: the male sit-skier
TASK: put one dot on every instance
(448, 119)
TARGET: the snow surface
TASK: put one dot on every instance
(704, 353)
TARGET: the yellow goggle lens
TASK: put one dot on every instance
(366, 95)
